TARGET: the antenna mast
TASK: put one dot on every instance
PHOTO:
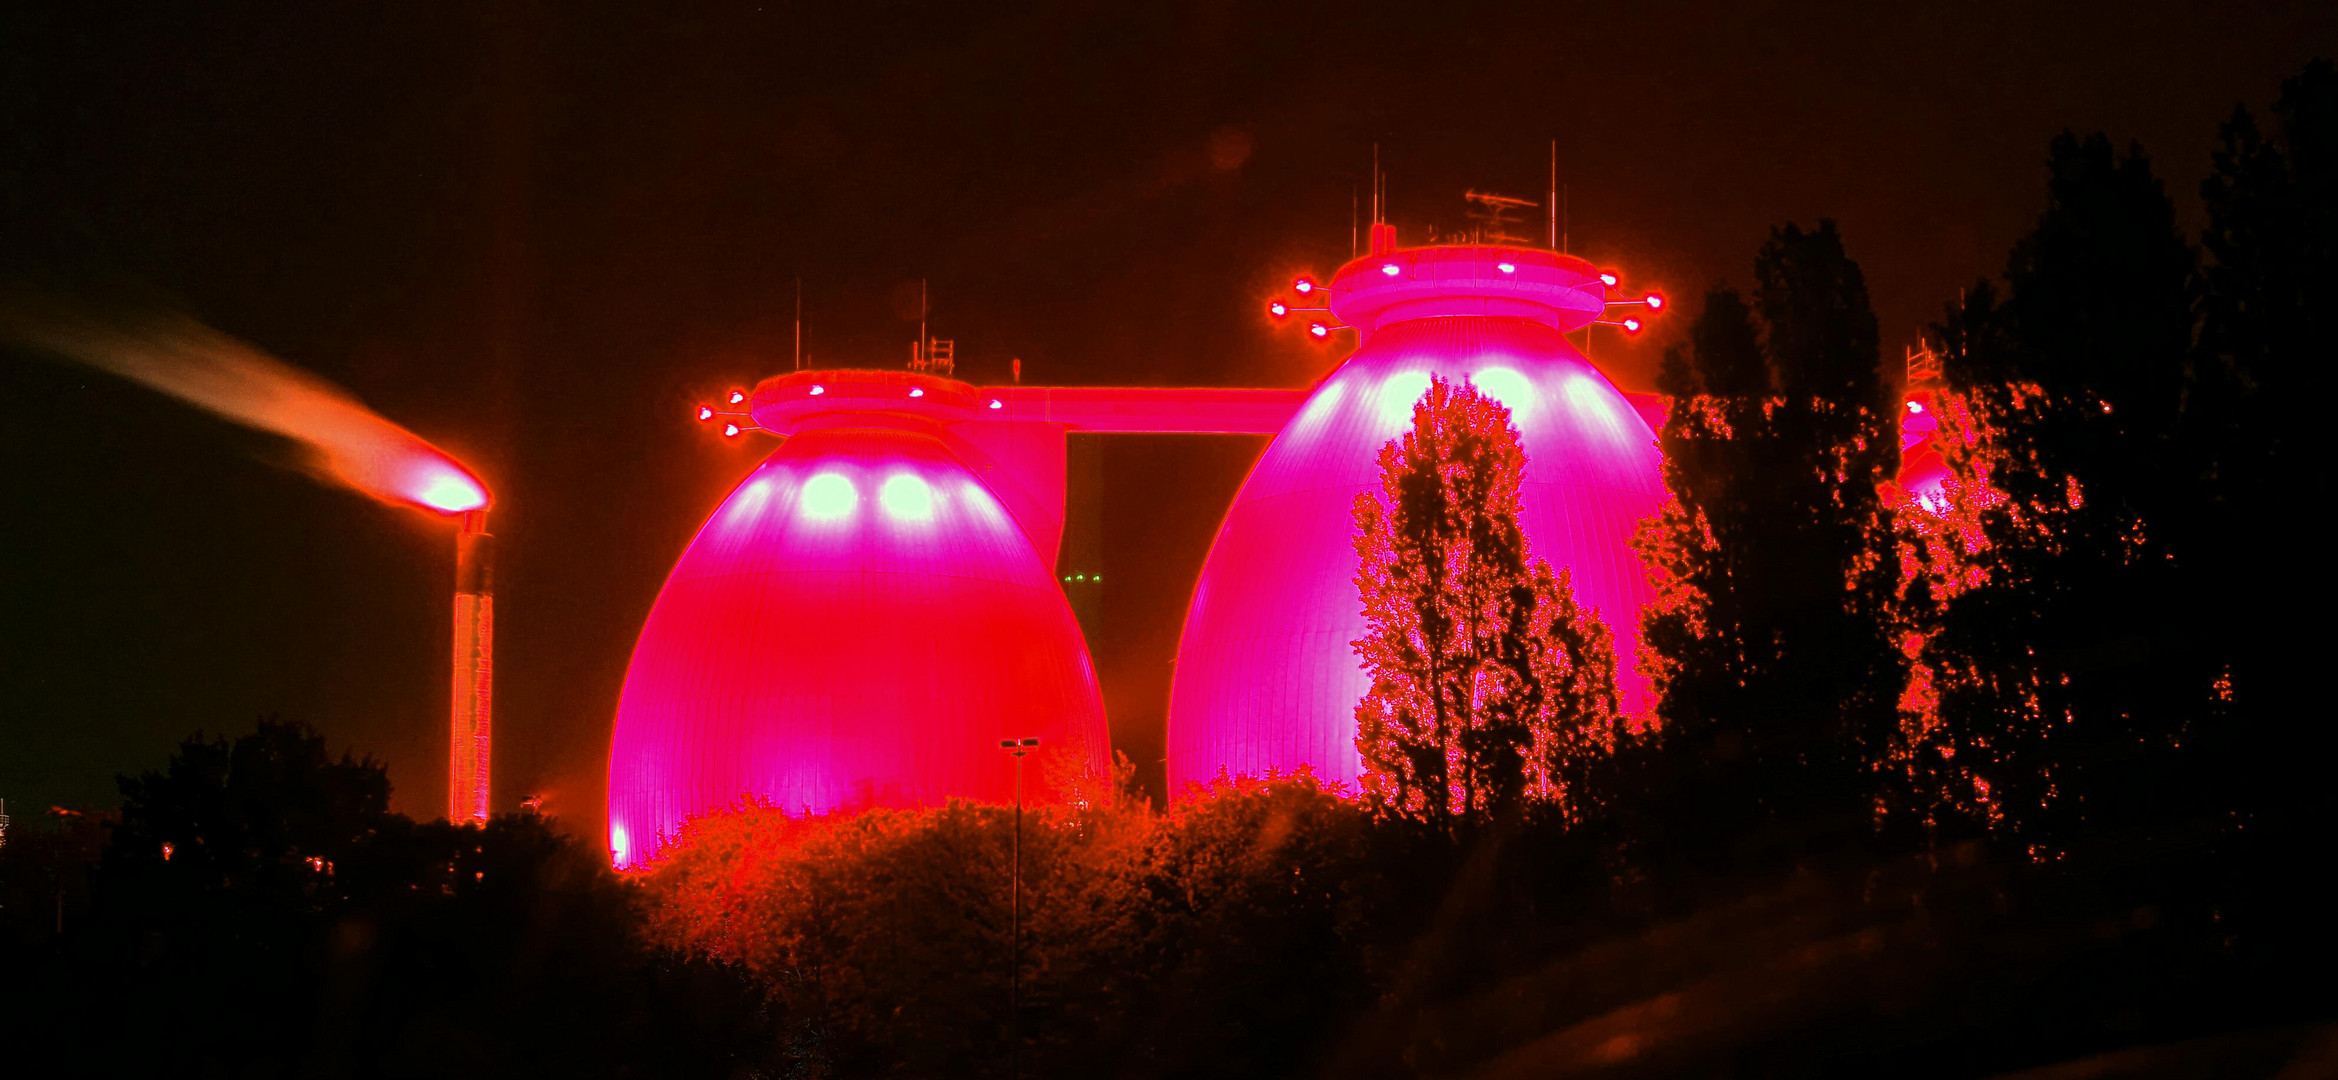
(1553, 204)
(799, 324)
(931, 355)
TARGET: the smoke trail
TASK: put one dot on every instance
(347, 442)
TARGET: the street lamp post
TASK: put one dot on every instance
(1017, 747)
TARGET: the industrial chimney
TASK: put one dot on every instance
(474, 682)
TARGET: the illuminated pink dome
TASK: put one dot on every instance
(859, 623)
(1266, 678)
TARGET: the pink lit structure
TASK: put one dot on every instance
(868, 615)
(1266, 678)
(874, 608)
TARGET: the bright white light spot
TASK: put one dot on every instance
(1607, 279)
(827, 496)
(449, 493)
(738, 396)
(1303, 285)
(1654, 302)
(1507, 268)
(1399, 394)
(1915, 407)
(917, 391)
(706, 412)
(1509, 387)
(620, 845)
(905, 497)
(730, 430)
(996, 404)
(818, 390)
(1588, 396)
(749, 500)
(1389, 269)
(1319, 410)
(978, 498)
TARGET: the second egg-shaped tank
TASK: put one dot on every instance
(1267, 679)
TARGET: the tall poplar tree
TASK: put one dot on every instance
(1491, 683)
(1449, 602)
(2264, 362)
(2070, 675)
(1773, 638)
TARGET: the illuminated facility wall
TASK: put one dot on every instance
(1266, 678)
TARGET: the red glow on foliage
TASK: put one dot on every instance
(1943, 506)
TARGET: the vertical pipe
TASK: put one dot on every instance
(474, 670)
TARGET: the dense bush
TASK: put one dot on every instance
(1222, 937)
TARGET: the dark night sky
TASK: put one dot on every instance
(536, 234)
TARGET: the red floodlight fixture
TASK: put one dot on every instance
(1653, 301)
(1306, 286)
(735, 422)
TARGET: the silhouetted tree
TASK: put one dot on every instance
(1774, 634)
(1449, 603)
(2070, 674)
(2267, 336)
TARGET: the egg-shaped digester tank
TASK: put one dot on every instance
(859, 624)
(1267, 678)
